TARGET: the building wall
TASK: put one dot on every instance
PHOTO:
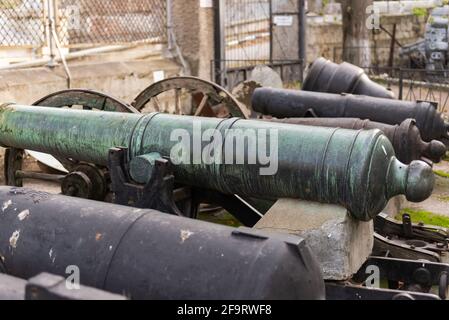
(122, 75)
(193, 25)
(194, 30)
(325, 38)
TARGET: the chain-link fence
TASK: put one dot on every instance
(81, 23)
(88, 22)
(22, 23)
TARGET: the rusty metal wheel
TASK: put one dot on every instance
(67, 172)
(189, 96)
(87, 99)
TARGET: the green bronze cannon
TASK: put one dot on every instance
(356, 169)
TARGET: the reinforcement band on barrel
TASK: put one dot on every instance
(138, 134)
(323, 182)
(139, 215)
(223, 128)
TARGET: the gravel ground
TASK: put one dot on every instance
(439, 202)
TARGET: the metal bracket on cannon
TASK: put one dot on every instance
(407, 280)
(146, 182)
(406, 240)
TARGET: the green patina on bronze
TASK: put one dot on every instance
(356, 169)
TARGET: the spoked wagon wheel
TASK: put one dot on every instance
(77, 179)
(189, 96)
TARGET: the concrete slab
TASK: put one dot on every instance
(341, 243)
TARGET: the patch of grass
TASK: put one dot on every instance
(295, 85)
(323, 6)
(441, 174)
(420, 12)
(222, 217)
(443, 198)
(425, 217)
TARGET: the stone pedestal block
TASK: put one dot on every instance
(341, 243)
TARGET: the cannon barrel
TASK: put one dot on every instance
(145, 254)
(282, 103)
(357, 170)
(329, 77)
(406, 138)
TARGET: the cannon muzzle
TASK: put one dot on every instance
(326, 76)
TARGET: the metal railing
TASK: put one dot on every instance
(380, 55)
(408, 84)
(415, 84)
(237, 71)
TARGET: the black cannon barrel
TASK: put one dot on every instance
(327, 76)
(406, 138)
(145, 254)
(282, 103)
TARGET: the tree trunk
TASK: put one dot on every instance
(356, 31)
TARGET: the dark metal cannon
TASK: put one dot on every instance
(326, 76)
(406, 138)
(145, 254)
(357, 170)
(281, 103)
